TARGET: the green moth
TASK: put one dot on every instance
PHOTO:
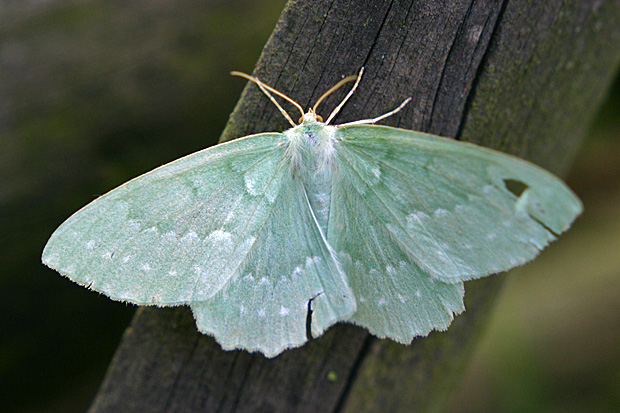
(372, 225)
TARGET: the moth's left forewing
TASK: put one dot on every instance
(446, 202)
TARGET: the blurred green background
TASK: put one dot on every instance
(94, 93)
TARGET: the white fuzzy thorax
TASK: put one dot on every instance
(310, 146)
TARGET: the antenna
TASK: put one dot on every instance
(357, 79)
(266, 89)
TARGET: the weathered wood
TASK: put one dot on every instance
(525, 77)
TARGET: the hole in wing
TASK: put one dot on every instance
(309, 317)
(516, 187)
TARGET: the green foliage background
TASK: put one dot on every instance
(94, 93)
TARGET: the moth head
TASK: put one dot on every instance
(310, 117)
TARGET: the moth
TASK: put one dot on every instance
(372, 225)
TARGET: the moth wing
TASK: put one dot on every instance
(227, 230)
(445, 203)
(395, 297)
(289, 269)
(176, 234)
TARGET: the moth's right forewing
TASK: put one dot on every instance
(447, 204)
(176, 234)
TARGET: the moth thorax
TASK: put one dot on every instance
(310, 150)
(321, 144)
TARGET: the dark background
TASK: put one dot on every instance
(95, 93)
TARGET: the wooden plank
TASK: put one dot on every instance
(493, 72)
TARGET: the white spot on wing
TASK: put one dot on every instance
(442, 256)
(312, 260)
(462, 209)
(197, 182)
(259, 182)
(283, 311)
(230, 216)
(245, 246)
(219, 236)
(133, 224)
(376, 172)
(190, 237)
(250, 185)
(487, 189)
(169, 236)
